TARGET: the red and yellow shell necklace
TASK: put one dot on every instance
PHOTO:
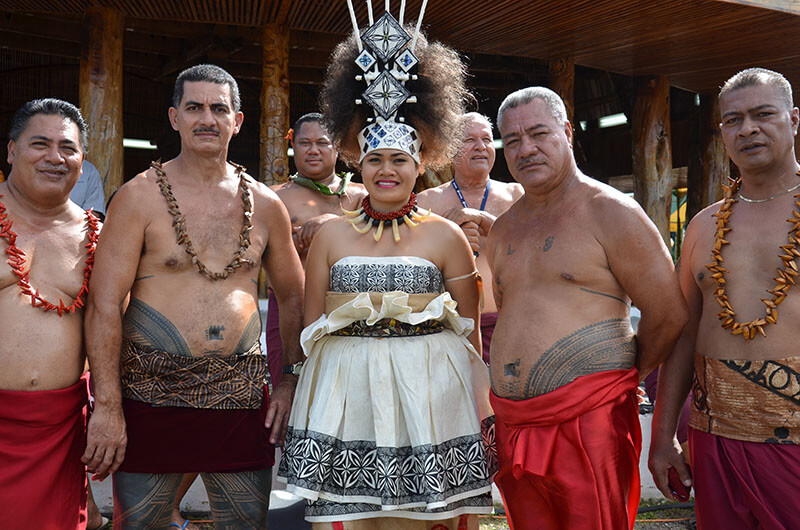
(16, 260)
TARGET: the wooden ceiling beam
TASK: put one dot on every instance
(786, 6)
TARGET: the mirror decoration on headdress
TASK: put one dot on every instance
(388, 61)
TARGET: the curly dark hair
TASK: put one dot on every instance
(441, 100)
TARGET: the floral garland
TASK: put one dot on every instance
(407, 214)
(16, 260)
(784, 281)
(179, 222)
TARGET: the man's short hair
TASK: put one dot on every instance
(471, 117)
(525, 95)
(209, 73)
(311, 117)
(759, 76)
(48, 107)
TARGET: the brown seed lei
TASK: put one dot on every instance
(179, 222)
(784, 281)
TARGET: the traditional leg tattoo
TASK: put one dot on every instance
(239, 500)
(251, 333)
(144, 500)
(606, 345)
(145, 325)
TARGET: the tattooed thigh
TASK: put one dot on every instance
(606, 345)
(239, 500)
(144, 500)
(144, 325)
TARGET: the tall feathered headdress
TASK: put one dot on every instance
(387, 64)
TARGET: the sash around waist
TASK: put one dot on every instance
(164, 379)
(44, 407)
(417, 302)
(748, 400)
(529, 430)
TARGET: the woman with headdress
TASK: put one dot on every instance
(391, 419)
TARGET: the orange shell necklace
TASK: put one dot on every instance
(784, 281)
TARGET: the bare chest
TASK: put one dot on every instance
(549, 254)
(213, 230)
(53, 261)
(305, 206)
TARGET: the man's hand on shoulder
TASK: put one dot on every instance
(304, 234)
(106, 441)
(280, 405)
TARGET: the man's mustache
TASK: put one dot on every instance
(205, 130)
(54, 167)
(530, 160)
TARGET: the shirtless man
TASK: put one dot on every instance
(48, 244)
(473, 201)
(194, 382)
(568, 259)
(315, 194)
(743, 365)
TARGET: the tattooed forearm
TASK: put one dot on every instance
(603, 294)
(144, 325)
(251, 333)
(607, 345)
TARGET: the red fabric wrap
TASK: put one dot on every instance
(570, 458)
(274, 344)
(488, 320)
(188, 440)
(744, 485)
(42, 439)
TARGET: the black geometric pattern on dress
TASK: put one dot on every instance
(396, 475)
(164, 379)
(385, 277)
(487, 434)
(321, 508)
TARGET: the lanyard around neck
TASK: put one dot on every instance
(461, 197)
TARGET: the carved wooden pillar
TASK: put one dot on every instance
(274, 105)
(101, 92)
(562, 82)
(652, 155)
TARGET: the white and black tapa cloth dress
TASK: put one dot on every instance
(391, 414)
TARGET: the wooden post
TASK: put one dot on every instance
(705, 182)
(562, 82)
(274, 105)
(714, 156)
(652, 155)
(100, 92)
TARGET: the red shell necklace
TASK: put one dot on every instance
(16, 260)
(406, 215)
